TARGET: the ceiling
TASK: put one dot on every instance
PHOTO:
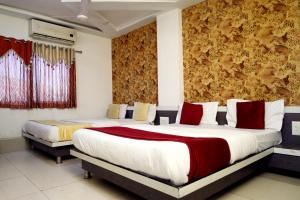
(112, 17)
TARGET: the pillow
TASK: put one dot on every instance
(123, 108)
(191, 114)
(140, 111)
(113, 111)
(209, 116)
(231, 111)
(151, 112)
(250, 114)
(274, 112)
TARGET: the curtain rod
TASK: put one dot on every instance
(9, 39)
(76, 51)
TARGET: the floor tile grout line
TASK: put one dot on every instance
(28, 178)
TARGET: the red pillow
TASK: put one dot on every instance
(250, 114)
(191, 114)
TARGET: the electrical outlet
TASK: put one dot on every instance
(164, 120)
(295, 127)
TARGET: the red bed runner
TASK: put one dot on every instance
(207, 155)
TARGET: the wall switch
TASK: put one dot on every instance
(295, 127)
(164, 120)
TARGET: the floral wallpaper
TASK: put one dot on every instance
(242, 49)
(134, 66)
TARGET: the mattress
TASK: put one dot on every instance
(169, 160)
(50, 133)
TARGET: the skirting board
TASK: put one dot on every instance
(50, 144)
(175, 192)
(12, 145)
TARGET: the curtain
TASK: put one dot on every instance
(15, 74)
(54, 77)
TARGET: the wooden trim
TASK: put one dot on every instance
(49, 144)
(285, 151)
(167, 191)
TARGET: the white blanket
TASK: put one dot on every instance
(163, 159)
(50, 133)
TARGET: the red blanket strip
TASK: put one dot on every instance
(207, 155)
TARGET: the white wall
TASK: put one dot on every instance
(170, 58)
(94, 80)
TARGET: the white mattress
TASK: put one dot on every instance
(50, 133)
(169, 160)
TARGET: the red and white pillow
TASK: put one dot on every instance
(209, 116)
(273, 113)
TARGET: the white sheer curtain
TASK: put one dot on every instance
(15, 86)
(51, 84)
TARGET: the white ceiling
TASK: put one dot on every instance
(112, 17)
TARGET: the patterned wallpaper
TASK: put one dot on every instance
(134, 66)
(242, 48)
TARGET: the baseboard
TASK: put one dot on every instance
(12, 145)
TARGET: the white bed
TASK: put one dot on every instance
(50, 133)
(170, 160)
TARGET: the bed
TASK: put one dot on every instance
(45, 137)
(155, 173)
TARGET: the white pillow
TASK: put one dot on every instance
(274, 112)
(210, 110)
(123, 108)
(151, 111)
(231, 111)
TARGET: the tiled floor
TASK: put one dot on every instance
(28, 175)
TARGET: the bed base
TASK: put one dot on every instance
(56, 149)
(153, 189)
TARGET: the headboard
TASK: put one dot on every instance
(287, 137)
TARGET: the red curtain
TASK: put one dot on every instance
(43, 85)
(15, 74)
(21, 47)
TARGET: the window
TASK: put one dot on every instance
(15, 84)
(53, 85)
(50, 82)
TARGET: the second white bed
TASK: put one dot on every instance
(50, 133)
(170, 160)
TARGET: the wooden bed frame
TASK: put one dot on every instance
(153, 189)
(56, 149)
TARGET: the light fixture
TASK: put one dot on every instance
(82, 16)
(83, 10)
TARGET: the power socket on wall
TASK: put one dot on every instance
(295, 127)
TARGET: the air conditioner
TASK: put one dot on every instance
(52, 32)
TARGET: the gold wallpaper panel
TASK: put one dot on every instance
(134, 66)
(243, 49)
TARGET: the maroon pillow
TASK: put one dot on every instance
(191, 114)
(250, 114)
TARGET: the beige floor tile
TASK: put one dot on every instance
(16, 187)
(228, 196)
(24, 173)
(45, 173)
(7, 170)
(89, 189)
(33, 196)
(261, 188)
(281, 178)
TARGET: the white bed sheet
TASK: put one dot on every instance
(50, 133)
(169, 160)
